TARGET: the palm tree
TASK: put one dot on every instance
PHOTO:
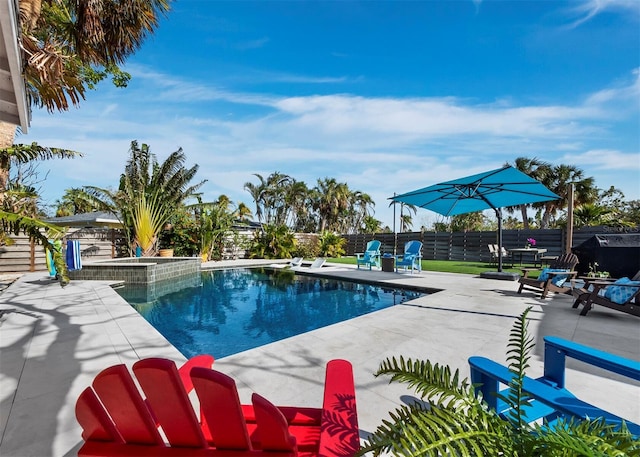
(257, 194)
(74, 201)
(590, 214)
(270, 197)
(163, 186)
(557, 179)
(405, 219)
(331, 200)
(361, 207)
(25, 153)
(18, 206)
(371, 225)
(69, 46)
(243, 213)
(535, 168)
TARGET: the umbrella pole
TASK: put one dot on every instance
(499, 216)
(395, 236)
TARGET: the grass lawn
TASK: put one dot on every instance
(447, 266)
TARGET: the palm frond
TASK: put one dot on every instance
(416, 431)
(589, 438)
(435, 383)
(518, 355)
(23, 153)
(32, 227)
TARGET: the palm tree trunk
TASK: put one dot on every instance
(525, 218)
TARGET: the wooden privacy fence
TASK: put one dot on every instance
(472, 246)
(25, 255)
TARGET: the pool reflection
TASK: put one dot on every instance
(240, 309)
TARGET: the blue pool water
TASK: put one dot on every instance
(240, 309)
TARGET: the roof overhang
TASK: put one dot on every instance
(14, 108)
(93, 219)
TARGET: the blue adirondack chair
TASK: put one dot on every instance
(371, 256)
(412, 257)
(549, 397)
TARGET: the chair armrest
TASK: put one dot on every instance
(202, 360)
(526, 271)
(557, 349)
(490, 374)
(339, 433)
(556, 273)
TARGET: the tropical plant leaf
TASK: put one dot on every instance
(589, 438)
(456, 422)
(434, 383)
(16, 223)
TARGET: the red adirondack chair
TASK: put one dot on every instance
(117, 421)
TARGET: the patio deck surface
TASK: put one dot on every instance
(53, 341)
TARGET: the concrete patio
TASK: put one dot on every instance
(54, 341)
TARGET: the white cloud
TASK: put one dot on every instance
(606, 159)
(586, 10)
(379, 145)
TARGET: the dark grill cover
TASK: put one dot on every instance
(619, 254)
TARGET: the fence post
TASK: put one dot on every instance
(32, 246)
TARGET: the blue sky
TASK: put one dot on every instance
(385, 96)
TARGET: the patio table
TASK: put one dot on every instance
(521, 251)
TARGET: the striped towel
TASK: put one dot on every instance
(73, 255)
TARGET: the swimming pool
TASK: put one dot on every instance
(239, 309)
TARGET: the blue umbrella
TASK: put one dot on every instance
(493, 189)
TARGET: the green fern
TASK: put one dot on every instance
(518, 355)
(455, 421)
(433, 383)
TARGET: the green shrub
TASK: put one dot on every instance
(331, 245)
(273, 242)
(308, 247)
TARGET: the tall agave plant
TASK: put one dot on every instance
(453, 420)
(148, 218)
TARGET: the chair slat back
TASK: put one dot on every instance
(169, 402)
(94, 420)
(566, 261)
(413, 247)
(122, 400)
(273, 430)
(373, 245)
(220, 406)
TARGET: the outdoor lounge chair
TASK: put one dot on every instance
(557, 278)
(371, 256)
(493, 251)
(119, 420)
(412, 257)
(318, 263)
(315, 265)
(549, 397)
(622, 295)
(295, 262)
